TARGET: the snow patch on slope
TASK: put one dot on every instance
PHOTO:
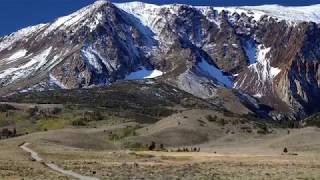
(258, 95)
(96, 60)
(53, 80)
(151, 16)
(262, 67)
(144, 73)
(90, 56)
(25, 70)
(96, 22)
(274, 71)
(215, 73)
(148, 14)
(261, 72)
(17, 55)
(137, 8)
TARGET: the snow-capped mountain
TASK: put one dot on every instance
(269, 52)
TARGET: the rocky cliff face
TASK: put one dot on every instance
(267, 54)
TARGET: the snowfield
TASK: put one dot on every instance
(215, 73)
(17, 55)
(144, 73)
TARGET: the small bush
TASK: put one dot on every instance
(6, 107)
(8, 133)
(222, 122)
(211, 118)
(33, 111)
(152, 146)
(161, 147)
(246, 129)
(56, 110)
(79, 122)
(98, 116)
(263, 129)
(242, 121)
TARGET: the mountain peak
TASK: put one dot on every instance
(89, 16)
(99, 3)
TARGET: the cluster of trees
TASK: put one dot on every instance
(191, 149)
(7, 133)
(287, 123)
(153, 147)
(220, 121)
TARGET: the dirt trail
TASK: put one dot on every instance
(52, 166)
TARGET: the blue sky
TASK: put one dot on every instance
(16, 14)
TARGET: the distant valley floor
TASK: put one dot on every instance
(237, 158)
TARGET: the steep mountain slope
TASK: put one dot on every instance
(267, 52)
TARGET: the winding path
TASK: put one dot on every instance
(52, 166)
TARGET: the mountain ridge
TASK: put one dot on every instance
(274, 10)
(316, 7)
(200, 50)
